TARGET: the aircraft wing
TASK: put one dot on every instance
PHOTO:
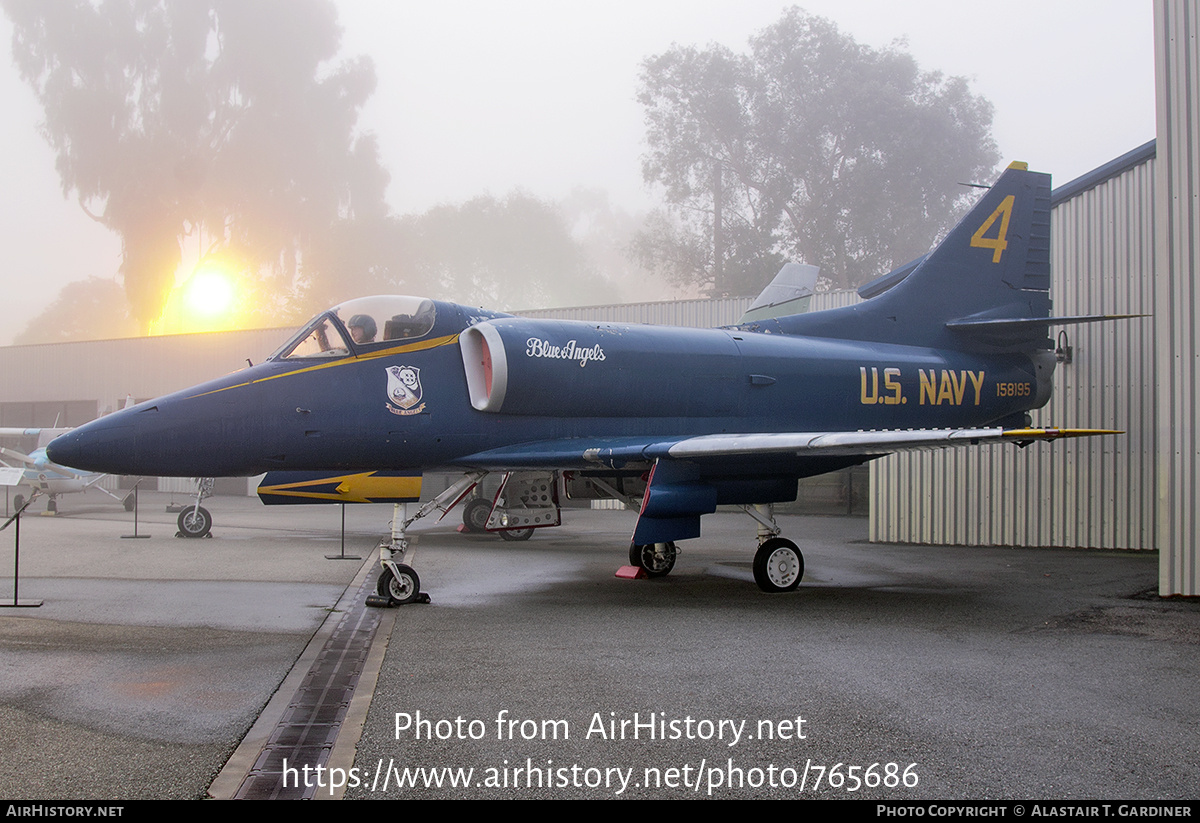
(690, 476)
(621, 451)
(20, 457)
(861, 442)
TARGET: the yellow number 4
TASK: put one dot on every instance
(1000, 242)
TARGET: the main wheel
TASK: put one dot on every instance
(194, 521)
(656, 559)
(516, 534)
(18, 502)
(475, 514)
(402, 589)
(128, 502)
(778, 565)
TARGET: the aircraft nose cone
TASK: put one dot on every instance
(99, 446)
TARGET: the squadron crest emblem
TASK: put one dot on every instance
(404, 390)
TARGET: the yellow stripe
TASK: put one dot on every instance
(434, 343)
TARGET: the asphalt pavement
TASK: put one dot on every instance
(908, 672)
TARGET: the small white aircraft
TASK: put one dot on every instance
(39, 472)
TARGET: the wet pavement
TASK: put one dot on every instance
(894, 671)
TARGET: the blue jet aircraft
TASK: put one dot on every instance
(951, 349)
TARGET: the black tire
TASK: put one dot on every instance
(194, 521)
(655, 559)
(778, 565)
(406, 589)
(18, 502)
(516, 534)
(475, 515)
(128, 502)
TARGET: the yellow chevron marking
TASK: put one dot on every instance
(364, 487)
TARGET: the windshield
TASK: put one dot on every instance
(320, 338)
(386, 318)
(368, 320)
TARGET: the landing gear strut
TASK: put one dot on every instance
(399, 583)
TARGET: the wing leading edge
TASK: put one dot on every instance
(620, 451)
(868, 443)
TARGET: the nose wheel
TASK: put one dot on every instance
(401, 587)
(194, 521)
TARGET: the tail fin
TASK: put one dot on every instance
(992, 268)
(789, 293)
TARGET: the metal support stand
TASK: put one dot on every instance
(135, 534)
(16, 600)
(343, 555)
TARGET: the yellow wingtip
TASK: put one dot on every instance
(1054, 434)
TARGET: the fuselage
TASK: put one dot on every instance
(438, 384)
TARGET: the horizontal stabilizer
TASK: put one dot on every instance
(996, 324)
(1012, 332)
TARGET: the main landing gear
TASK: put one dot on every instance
(778, 563)
(655, 559)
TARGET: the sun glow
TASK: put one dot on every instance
(211, 299)
(208, 293)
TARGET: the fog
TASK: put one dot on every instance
(478, 98)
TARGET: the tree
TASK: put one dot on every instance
(91, 309)
(217, 124)
(607, 233)
(509, 253)
(811, 147)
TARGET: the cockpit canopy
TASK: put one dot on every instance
(361, 324)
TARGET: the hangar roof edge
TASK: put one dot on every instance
(1111, 169)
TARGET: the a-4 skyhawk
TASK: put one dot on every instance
(952, 349)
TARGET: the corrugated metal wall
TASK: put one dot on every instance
(698, 314)
(107, 370)
(1098, 492)
(1177, 74)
